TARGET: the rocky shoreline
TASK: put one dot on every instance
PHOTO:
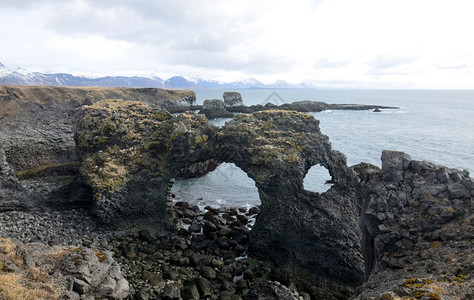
(206, 259)
(112, 230)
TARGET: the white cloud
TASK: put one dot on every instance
(365, 43)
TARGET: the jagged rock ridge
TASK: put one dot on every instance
(418, 231)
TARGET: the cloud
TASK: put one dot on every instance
(389, 62)
(331, 63)
(184, 23)
(455, 67)
(209, 34)
(343, 41)
(24, 4)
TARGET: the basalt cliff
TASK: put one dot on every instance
(393, 233)
(37, 122)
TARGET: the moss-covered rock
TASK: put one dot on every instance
(233, 99)
(36, 121)
(365, 170)
(129, 153)
(312, 236)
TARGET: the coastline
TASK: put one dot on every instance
(129, 154)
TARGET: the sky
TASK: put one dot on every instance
(329, 43)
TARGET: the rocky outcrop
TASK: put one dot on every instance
(13, 196)
(74, 272)
(198, 169)
(417, 224)
(214, 108)
(232, 99)
(305, 106)
(188, 102)
(299, 231)
(129, 153)
(36, 122)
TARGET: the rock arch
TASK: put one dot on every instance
(130, 152)
(226, 185)
(298, 230)
(317, 179)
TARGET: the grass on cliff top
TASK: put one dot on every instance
(14, 287)
(18, 101)
(28, 284)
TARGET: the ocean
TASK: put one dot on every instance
(431, 125)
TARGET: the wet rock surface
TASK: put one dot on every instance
(418, 231)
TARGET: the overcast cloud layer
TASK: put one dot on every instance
(333, 43)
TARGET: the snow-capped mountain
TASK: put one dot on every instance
(25, 77)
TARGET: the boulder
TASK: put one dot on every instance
(270, 290)
(417, 225)
(129, 153)
(215, 109)
(95, 273)
(83, 271)
(232, 99)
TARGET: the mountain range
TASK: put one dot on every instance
(26, 77)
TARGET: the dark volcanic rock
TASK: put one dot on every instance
(270, 290)
(13, 196)
(418, 230)
(36, 122)
(215, 109)
(129, 154)
(198, 169)
(305, 106)
(300, 231)
(232, 99)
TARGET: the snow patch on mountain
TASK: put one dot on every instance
(22, 76)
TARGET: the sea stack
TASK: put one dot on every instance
(232, 99)
(214, 108)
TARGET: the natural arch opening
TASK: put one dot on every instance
(226, 186)
(317, 179)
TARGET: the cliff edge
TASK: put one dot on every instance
(36, 122)
(418, 232)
